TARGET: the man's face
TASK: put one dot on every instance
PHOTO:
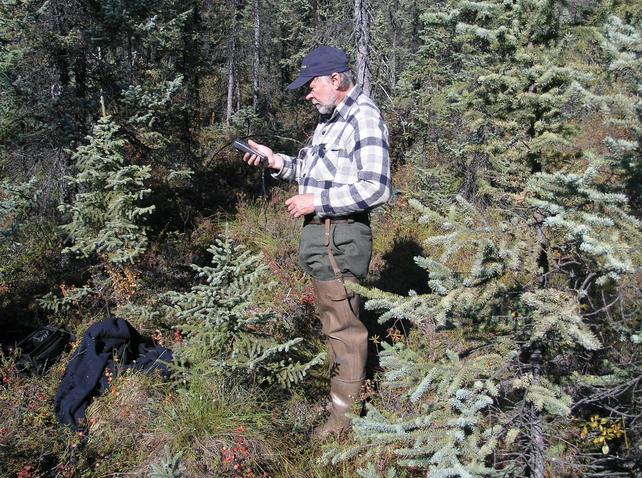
(323, 94)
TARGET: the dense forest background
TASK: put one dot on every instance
(504, 300)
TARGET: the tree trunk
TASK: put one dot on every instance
(80, 76)
(257, 42)
(130, 59)
(392, 60)
(230, 82)
(536, 446)
(362, 44)
(61, 54)
(474, 169)
(103, 109)
(238, 94)
(536, 456)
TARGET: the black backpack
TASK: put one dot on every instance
(41, 349)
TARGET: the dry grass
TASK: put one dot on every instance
(30, 437)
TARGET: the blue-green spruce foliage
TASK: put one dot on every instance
(227, 335)
(106, 215)
(527, 252)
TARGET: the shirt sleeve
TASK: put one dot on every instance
(288, 171)
(372, 187)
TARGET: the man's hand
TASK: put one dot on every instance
(274, 160)
(300, 205)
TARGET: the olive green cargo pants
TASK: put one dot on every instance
(338, 308)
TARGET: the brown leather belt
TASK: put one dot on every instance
(362, 217)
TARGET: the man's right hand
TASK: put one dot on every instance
(274, 160)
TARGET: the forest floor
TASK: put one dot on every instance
(144, 426)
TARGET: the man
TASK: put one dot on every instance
(342, 175)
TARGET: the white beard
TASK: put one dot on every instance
(324, 109)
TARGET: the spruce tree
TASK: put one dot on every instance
(226, 333)
(513, 325)
(106, 215)
(526, 255)
(621, 44)
(15, 201)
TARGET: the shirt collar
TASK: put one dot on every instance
(344, 107)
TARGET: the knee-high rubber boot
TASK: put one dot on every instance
(347, 340)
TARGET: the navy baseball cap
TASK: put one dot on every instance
(321, 61)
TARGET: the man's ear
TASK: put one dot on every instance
(335, 79)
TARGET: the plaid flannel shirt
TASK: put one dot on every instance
(347, 166)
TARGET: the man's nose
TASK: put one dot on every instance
(309, 96)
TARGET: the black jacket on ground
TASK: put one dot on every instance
(85, 378)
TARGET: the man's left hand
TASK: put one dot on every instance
(300, 205)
